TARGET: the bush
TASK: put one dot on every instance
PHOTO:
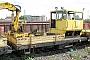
(86, 21)
(23, 18)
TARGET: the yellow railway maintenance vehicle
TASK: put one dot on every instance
(63, 23)
(61, 26)
(68, 22)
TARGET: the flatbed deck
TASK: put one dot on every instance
(86, 30)
(61, 42)
(64, 41)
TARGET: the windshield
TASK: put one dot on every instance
(59, 15)
(79, 16)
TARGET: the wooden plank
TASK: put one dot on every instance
(60, 37)
(72, 38)
(23, 41)
(43, 41)
(3, 42)
(86, 30)
(42, 38)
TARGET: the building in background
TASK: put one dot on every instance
(8, 18)
(35, 18)
(31, 18)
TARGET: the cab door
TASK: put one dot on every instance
(78, 20)
(70, 21)
(53, 19)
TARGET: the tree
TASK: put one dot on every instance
(1, 19)
(87, 21)
(23, 18)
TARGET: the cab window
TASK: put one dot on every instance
(59, 15)
(53, 15)
(78, 16)
(70, 15)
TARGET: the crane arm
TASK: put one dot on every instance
(6, 5)
(11, 7)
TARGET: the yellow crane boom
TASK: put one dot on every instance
(11, 7)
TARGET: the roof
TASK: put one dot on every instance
(66, 10)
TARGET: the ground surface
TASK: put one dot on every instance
(78, 53)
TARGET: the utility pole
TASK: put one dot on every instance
(83, 12)
(24, 14)
(87, 14)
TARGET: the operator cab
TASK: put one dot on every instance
(66, 22)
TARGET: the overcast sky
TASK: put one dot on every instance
(43, 7)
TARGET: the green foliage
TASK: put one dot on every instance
(1, 19)
(9, 58)
(29, 58)
(23, 18)
(87, 50)
(86, 21)
(25, 57)
(76, 56)
(0, 58)
(80, 54)
(52, 59)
